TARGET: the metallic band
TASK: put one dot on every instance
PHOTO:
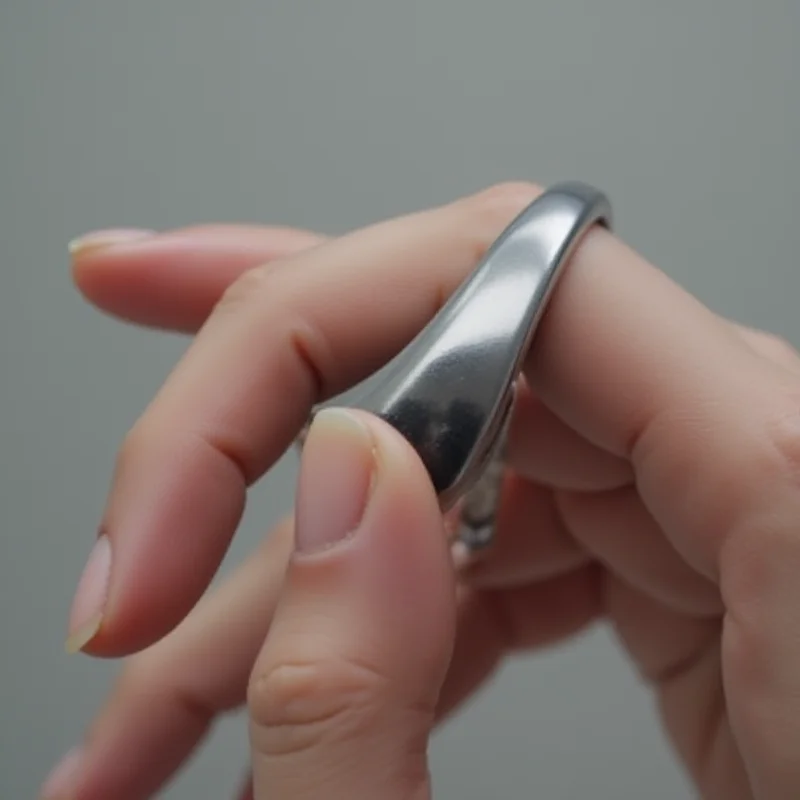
(451, 391)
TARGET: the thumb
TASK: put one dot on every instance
(343, 695)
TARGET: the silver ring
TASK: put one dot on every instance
(451, 390)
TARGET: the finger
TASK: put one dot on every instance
(541, 533)
(642, 369)
(617, 530)
(278, 342)
(530, 543)
(661, 642)
(172, 280)
(167, 696)
(246, 792)
(543, 449)
(679, 655)
(493, 624)
(343, 696)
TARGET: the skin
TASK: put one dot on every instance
(653, 483)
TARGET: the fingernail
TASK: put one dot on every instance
(86, 615)
(336, 474)
(107, 238)
(63, 780)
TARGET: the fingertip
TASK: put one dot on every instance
(173, 279)
(90, 253)
(358, 470)
(402, 471)
(337, 475)
(106, 239)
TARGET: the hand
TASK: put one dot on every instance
(656, 450)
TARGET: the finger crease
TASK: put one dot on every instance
(307, 344)
(710, 729)
(561, 518)
(233, 454)
(677, 668)
(194, 706)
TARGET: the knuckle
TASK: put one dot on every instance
(763, 543)
(298, 706)
(768, 486)
(784, 441)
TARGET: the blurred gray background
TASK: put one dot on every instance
(332, 115)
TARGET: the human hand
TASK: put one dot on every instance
(656, 452)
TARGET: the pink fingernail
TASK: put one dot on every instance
(86, 615)
(107, 238)
(63, 780)
(335, 479)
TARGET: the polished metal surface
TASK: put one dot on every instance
(450, 391)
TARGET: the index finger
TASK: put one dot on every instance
(282, 338)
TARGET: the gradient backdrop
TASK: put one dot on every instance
(332, 115)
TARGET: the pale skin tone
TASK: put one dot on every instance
(653, 482)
